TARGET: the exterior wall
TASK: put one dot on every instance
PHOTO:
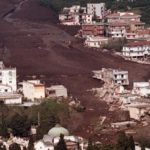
(116, 31)
(135, 113)
(136, 51)
(13, 101)
(62, 17)
(97, 9)
(88, 18)
(8, 77)
(39, 92)
(28, 90)
(122, 17)
(96, 42)
(72, 16)
(120, 77)
(33, 91)
(92, 29)
(134, 27)
(73, 19)
(5, 89)
(41, 146)
(144, 92)
(57, 91)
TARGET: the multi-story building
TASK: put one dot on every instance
(92, 29)
(86, 18)
(120, 77)
(123, 17)
(143, 34)
(123, 24)
(116, 29)
(138, 49)
(96, 9)
(74, 15)
(112, 76)
(8, 77)
(96, 41)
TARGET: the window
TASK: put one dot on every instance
(10, 73)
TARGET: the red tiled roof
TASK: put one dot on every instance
(138, 43)
(117, 23)
(123, 14)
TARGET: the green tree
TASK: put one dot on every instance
(20, 125)
(122, 141)
(14, 146)
(90, 144)
(131, 143)
(3, 130)
(2, 147)
(61, 144)
(31, 143)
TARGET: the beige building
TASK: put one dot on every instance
(33, 89)
(57, 91)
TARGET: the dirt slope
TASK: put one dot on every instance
(32, 40)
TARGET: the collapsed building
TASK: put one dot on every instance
(135, 101)
(112, 76)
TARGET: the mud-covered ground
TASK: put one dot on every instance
(32, 40)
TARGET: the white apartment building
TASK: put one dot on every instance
(116, 30)
(8, 77)
(33, 89)
(139, 49)
(95, 41)
(97, 9)
(120, 77)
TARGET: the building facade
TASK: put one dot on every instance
(96, 9)
(120, 77)
(92, 29)
(8, 77)
(95, 41)
(139, 49)
(57, 91)
(33, 89)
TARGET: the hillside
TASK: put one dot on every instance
(141, 6)
(33, 41)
